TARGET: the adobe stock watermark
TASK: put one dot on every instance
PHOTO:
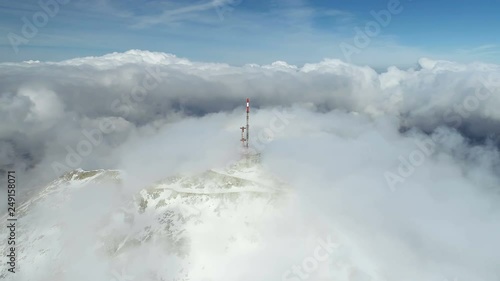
(277, 125)
(91, 138)
(121, 106)
(223, 7)
(454, 118)
(310, 264)
(31, 25)
(362, 37)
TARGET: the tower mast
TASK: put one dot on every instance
(243, 136)
(248, 126)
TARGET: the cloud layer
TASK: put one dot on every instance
(47, 106)
(403, 163)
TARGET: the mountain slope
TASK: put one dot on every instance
(185, 217)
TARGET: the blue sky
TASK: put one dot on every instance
(245, 31)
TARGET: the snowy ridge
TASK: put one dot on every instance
(173, 214)
(71, 180)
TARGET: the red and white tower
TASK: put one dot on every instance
(244, 139)
(248, 111)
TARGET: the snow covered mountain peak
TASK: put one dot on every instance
(180, 215)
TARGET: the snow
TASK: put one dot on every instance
(216, 214)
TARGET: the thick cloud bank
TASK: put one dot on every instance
(404, 163)
(48, 108)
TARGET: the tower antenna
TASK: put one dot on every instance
(248, 126)
(243, 136)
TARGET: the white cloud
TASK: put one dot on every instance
(352, 125)
(61, 95)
